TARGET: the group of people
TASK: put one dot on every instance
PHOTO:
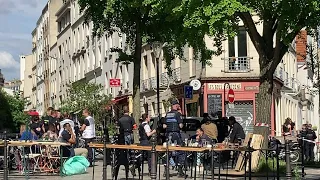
(57, 127)
(173, 124)
(306, 134)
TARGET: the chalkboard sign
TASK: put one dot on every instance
(214, 104)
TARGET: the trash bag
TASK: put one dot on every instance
(75, 165)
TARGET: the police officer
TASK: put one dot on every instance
(173, 124)
(145, 134)
(311, 136)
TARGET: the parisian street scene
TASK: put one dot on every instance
(169, 89)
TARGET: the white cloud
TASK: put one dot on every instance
(18, 6)
(7, 61)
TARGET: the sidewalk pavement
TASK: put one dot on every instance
(311, 174)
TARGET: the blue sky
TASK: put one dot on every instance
(18, 18)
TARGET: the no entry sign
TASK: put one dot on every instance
(231, 96)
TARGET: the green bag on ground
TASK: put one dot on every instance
(75, 165)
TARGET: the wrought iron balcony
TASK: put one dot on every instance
(176, 74)
(237, 64)
(165, 80)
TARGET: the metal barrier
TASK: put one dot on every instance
(214, 163)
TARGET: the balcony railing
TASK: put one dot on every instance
(237, 64)
(165, 80)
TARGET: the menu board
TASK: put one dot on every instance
(214, 104)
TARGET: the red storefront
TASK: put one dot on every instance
(244, 106)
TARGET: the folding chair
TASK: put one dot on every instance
(32, 159)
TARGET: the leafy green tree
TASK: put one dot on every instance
(142, 21)
(12, 111)
(83, 95)
(281, 21)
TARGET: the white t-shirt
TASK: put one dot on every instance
(147, 128)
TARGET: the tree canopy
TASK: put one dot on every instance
(187, 22)
(12, 111)
(281, 22)
(86, 95)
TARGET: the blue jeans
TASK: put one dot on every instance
(176, 136)
(128, 139)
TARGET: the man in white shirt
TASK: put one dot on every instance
(88, 133)
(145, 134)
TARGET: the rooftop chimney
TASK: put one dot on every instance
(301, 46)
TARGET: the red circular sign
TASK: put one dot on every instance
(231, 96)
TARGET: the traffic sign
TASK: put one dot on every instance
(188, 92)
(114, 82)
(231, 96)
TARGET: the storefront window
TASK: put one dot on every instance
(192, 109)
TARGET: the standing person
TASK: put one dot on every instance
(173, 125)
(88, 133)
(36, 125)
(59, 118)
(145, 134)
(286, 128)
(48, 119)
(126, 124)
(311, 136)
(303, 135)
(236, 131)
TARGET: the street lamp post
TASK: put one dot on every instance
(105, 139)
(156, 48)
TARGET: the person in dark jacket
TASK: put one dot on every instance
(310, 136)
(201, 136)
(126, 124)
(173, 125)
(236, 131)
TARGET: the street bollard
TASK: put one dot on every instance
(288, 163)
(153, 172)
(5, 157)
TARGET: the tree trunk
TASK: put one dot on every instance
(263, 104)
(136, 78)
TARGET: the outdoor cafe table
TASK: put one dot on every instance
(160, 148)
(32, 143)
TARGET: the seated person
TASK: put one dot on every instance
(210, 129)
(201, 136)
(68, 136)
(27, 135)
(51, 134)
(36, 125)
